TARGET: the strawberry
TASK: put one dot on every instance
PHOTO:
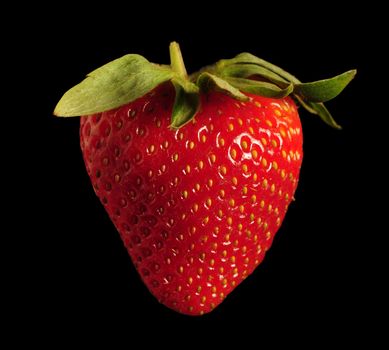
(196, 173)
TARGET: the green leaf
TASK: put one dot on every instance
(248, 58)
(246, 70)
(207, 81)
(326, 89)
(320, 110)
(113, 85)
(185, 107)
(260, 87)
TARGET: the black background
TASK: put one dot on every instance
(318, 281)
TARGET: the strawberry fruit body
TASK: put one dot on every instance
(197, 198)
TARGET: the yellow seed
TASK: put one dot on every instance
(262, 203)
(213, 289)
(222, 193)
(230, 127)
(158, 123)
(274, 143)
(265, 183)
(269, 123)
(244, 249)
(195, 207)
(251, 130)
(199, 289)
(206, 220)
(254, 153)
(286, 196)
(212, 262)
(272, 188)
(235, 271)
(253, 198)
(220, 213)
(151, 148)
(277, 113)
(283, 133)
(197, 187)
(212, 157)
(283, 173)
(181, 269)
(187, 169)
(236, 243)
(252, 217)
(275, 165)
(233, 259)
(245, 190)
(264, 162)
(223, 170)
(264, 141)
(229, 221)
(244, 144)
(257, 104)
(255, 177)
(190, 280)
(268, 235)
(191, 144)
(179, 288)
(200, 271)
(224, 253)
(278, 222)
(224, 282)
(231, 202)
(210, 183)
(180, 135)
(221, 269)
(227, 238)
(233, 153)
(185, 194)
(209, 202)
(245, 168)
(175, 157)
(259, 221)
(234, 181)
(222, 294)
(246, 261)
(203, 299)
(201, 164)
(283, 153)
(222, 142)
(276, 211)
(203, 138)
(240, 226)
(241, 208)
(233, 283)
(202, 256)
(240, 121)
(265, 226)
(165, 144)
(248, 233)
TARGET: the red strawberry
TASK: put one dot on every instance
(197, 205)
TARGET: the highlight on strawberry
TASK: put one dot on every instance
(195, 171)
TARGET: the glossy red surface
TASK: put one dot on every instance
(198, 207)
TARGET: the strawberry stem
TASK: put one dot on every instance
(176, 60)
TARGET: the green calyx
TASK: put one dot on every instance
(132, 76)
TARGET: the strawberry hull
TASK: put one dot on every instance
(197, 208)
